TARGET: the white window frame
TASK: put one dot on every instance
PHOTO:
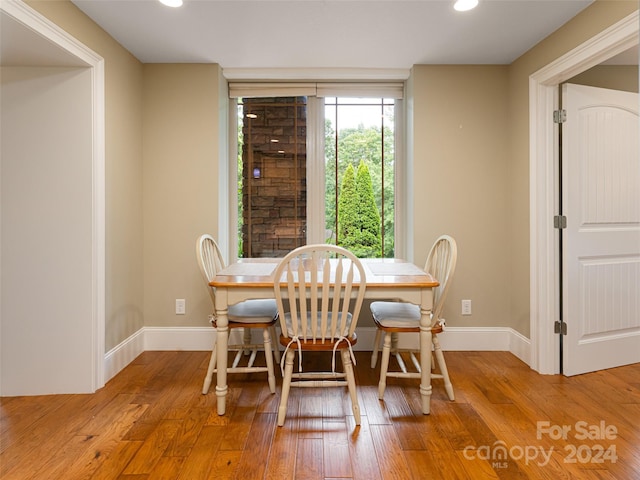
(315, 154)
(315, 169)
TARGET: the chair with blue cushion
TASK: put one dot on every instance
(251, 314)
(393, 318)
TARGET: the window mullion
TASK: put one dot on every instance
(315, 171)
(402, 187)
(230, 172)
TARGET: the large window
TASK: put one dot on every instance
(313, 169)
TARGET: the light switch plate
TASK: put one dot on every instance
(181, 306)
(466, 307)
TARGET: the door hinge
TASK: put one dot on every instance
(559, 116)
(559, 221)
(560, 327)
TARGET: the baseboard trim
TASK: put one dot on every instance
(123, 354)
(202, 338)
(501, 339)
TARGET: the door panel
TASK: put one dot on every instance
(601, 247)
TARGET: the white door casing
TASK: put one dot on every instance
(543, 100)
(601, 243)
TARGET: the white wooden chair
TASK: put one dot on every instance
(393, 318)
(319, 291)
(250, 314)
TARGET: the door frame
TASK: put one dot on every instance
(65, 49)
(543, 182)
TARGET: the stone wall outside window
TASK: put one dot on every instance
(274, 176)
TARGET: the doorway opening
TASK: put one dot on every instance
(544, 255)
(53, 209)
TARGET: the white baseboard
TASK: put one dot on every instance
(520, 346)
(202, 338)
(123, 354)
(496, 339)
(182, 338)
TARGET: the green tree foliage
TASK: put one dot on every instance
(368, 234)
(358, 217)
(240, 190)
(331, 181)
(353, 146)
(348, 225)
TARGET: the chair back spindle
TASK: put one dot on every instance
(441, 264)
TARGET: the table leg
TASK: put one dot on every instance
(426, 306)
(222, 343)
(425, 366)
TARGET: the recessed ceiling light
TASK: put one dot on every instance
(464, 5)
(252, 115)
(171, 3)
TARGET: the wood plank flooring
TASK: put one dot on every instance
(152, 422)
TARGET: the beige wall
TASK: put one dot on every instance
(180, 137)
(615, 77)
(123, 165)
(460, 174)
(46, 223)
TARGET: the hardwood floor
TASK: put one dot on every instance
(152, 422)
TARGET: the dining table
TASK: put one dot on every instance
(386, 279)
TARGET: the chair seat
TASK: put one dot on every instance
(396, 314)
(253, 311)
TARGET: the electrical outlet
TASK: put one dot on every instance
(181, 306)
(466, 307)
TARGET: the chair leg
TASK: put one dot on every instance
(394, 342)
(351, 383)
(266, 335)
(384, 364)
(274, 342)
(376, 348)
(396, 353)
(246, 339)
(286, 386)
(437, 349)
(212, 367)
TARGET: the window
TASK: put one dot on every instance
(272, 159)
(359, 133)
(314, 168)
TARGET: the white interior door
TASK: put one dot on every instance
(601, 243)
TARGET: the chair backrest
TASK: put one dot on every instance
(323, 287)
(441, 263)
(210, 261)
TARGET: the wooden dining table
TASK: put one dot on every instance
(388, 278)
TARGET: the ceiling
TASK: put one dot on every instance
(299, 34)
